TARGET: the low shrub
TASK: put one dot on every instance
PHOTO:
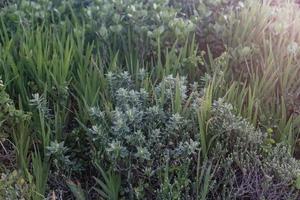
(152, 148)
(247, 165)
(144, 141)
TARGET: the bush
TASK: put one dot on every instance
(142, 139)
(147, 144)
(246, 163)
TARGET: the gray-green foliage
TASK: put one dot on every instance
(119, 25)
(9, 115)
(245, 162)
(281, 164)
(14, 124)
(13, 186)
(141, 138)
(4, 3)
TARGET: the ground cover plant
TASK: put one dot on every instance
(131, 99)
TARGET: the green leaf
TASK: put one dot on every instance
(76, 190)
(297, 182)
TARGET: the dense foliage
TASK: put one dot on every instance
(151, 99)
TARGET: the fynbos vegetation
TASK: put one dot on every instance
(137, 99)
